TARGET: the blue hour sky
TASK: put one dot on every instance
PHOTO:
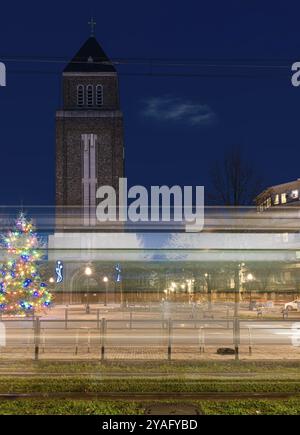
(176, 125)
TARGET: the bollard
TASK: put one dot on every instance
(37, 331)
(169, 339)
(66, 318)
(102, 338)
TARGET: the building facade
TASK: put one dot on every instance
(286, 194)
(89, 132)
(197, 267)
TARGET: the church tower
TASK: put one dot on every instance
(89, 131)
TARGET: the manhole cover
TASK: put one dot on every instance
(171, 409)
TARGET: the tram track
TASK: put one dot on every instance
(145, 397)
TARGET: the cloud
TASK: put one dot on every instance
(177, 109)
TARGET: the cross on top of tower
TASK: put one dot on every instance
(92, 23)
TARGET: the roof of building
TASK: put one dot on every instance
(279, 188)
(90, 58)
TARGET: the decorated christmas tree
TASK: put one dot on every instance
(22, 291)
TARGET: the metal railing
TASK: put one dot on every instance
(96, 338)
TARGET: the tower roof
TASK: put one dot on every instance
(90, 58)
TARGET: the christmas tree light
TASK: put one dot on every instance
(22, 291)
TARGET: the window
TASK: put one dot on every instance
(99, 95)
(89, 95)
(294, 194)
(276, 199)
(283, 198)
(80, 95)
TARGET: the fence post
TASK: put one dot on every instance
(29, 338)
(89, 340)
(43, 341)
(201, 339)
(76, 342)
(169, 339)
(250, 341)
(102, 337)
(236, 337)
(37, 332)
(194, 315)
(98, 318)
(66, 318)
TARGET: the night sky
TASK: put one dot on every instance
(175, 126)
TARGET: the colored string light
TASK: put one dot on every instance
(22, 290)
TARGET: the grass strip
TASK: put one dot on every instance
(96, 407)
(82, 385)
(226, 367)
(68, 407)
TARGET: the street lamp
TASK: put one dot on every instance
(105, 280)
(208, 287)
(250, 278)
(88, 273)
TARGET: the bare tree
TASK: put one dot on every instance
(234, 180)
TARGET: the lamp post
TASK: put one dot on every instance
(250, 278)
(105, 280)
(208, 287)
(88, 273)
